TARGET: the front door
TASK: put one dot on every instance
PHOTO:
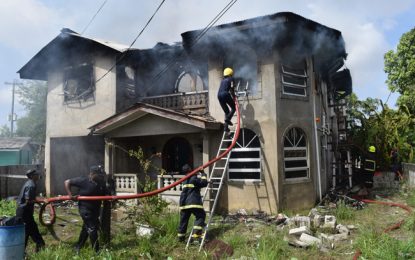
(176, 153)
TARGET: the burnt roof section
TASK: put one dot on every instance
(139, 109)
(59, 51)
(13, 143)
(286, 32)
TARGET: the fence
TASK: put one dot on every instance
(12, 178)
(409, 173)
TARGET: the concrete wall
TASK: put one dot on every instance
(269, 114)
(13, 177)
(64, 120)
(72, 157)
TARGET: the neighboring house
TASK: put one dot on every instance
(164, 100)
(18, 151)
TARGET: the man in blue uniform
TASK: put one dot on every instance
(191, 203)
(92, 185)
(25, 209)
(226, 95)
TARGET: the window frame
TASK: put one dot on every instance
(244, 148)
(286, 73)
(89, 91)
(295, 147)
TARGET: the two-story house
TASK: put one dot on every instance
(164, 100)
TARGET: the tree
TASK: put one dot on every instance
(4, 131)
(400, 67)
(32, 95)
(374, 123)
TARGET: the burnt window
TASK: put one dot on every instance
(294, 80)
(189, 81)
(245, 159)
(79, 83)
(295, 154)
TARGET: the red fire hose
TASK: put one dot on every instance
(47, 202)
(390, 228)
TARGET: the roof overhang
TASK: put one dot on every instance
(64, 46)
(139, 110)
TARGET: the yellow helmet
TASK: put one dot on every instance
(227, 72)
(372, 149)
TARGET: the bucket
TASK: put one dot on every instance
(12, 240)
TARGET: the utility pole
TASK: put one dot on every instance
(12, 116)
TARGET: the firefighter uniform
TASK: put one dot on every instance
(225, 96)
(25, 209)
(191, 203)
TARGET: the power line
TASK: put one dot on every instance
(135, 39)
(197, 38)
(93, 17)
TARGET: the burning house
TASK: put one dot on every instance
(105, 99)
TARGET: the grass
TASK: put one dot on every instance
(7, 208)
(252, 240)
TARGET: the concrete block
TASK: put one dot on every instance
(299, 231)
(310, 240)
(329, 221)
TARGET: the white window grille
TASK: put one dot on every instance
(296, 164)
(294, 81)
(245, 159)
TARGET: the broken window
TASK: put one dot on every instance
(245, 159)
(79, 83)
(294, 80)
(189, 82)
(295, 154)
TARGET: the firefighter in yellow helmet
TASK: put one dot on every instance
(369, 166)
(226, 95)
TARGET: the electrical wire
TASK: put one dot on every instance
(93, 17)
(156, 77)
(132, 43)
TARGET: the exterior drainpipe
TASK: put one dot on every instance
(317, 144)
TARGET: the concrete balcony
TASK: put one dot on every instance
(196, 102)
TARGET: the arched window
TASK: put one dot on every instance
(295, 154)
(176, 153)
(188, 81)
(245, 159)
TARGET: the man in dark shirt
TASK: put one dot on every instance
(92, 185)
(25, 209)
(226, 95)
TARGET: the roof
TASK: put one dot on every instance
(287, 32)
(64, 46)
(13, 143)
(140, 109)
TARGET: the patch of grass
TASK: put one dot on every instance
(7, 208)
(344, 212)
(374, 245)
(410, 200)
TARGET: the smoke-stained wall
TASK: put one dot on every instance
(72, 157)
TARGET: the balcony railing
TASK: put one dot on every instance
(126, 183)
(180, 101)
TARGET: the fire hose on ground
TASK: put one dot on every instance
(390, 228)
(47, 202)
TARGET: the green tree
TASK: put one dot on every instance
(4, 131)
(32, 95)
(374, 123)
(400, 67)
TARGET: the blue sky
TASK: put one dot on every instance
(370, 28)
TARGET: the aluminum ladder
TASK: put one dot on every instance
(215, 183)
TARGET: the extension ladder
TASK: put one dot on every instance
(215, 183)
